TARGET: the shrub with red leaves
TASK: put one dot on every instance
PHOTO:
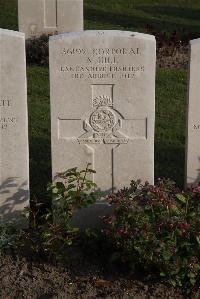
(158, 227)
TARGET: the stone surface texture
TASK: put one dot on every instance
(103, 105)
(193, 126)
(49, 16)
(14, 162)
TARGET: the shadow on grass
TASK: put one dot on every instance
(9, 14)
(129, 22)
(169, 162)
(40, 167)
(184, 13)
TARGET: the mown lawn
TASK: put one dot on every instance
(171, 94)
(171, 85)
(134, 15)
(163, 15)
(39, 130)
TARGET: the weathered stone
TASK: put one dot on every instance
(49, 16)
(14, 168)
(193, 129)
(102, 103)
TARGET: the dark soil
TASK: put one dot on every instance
(83, 277)
(172, 57)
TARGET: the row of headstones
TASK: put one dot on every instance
(102, 110)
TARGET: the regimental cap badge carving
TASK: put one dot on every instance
(102, 120)
(102, 100)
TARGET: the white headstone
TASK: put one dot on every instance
(14, 163)
(193, 129)
(103, 105)
(49, 16)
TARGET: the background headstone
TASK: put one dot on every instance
(193, 126)
(14, 162)
(49, 16)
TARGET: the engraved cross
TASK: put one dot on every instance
(105, 129)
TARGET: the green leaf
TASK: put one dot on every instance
(70, 186)
(71, 174)
(60, 185)
(172, 282)
(167, 255)
(47, 216)
(176, 210)
(91, 171)
(192, 281)
(71, 180)
(181, 198)
(70, 170)
(198, 240)
(162, 274)
(191, 275)
(50, 187)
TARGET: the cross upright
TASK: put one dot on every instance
(50, 14)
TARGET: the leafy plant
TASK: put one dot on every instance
(50, 234)
(10, 236)
(72, 191)
(158, 227)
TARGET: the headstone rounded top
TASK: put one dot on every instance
(12, 33)
(102, 33)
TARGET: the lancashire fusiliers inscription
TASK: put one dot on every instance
(14, 162)
(102, 63)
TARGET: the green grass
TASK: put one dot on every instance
(39, 130)
(134, 15)
(8, 14)
(163, 15)
(171, 90)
